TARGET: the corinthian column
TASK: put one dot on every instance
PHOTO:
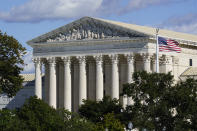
(38, 78)
(67, 83)
(130, 67)
(115, 77)
(99, 78)
(46, 83)
(154, 65)
(52, 82)
(82, 79)
(130, 70)
(167, 64)
(146, 62)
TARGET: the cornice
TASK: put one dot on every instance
(91, 42)
(183, 43)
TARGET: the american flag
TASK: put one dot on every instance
(168, 45)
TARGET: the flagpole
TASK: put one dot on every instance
(157, 51)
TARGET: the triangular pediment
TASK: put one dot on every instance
(87, 28)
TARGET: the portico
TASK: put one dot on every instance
(91, 58)
(73, 94)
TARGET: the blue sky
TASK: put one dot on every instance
(26, 19)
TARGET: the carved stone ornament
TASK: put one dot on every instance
(130, 57)
(146, 57)
(88, 31)
(37, 60)
(168, 60)
(51, 61)
(98, 58)
(114, 58)
(66, 59)
(82, 59)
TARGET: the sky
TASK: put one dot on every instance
(27, 19)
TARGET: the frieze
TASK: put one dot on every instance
(87, 48)
(88, 31)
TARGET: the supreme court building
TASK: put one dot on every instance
(90, 58)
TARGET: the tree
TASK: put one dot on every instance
(38, 115)
(9, 121)
(111, 123)
(11, 53)
(95, 110)
(185, 99)
(160, 104)
(73, 122)
(35, 114)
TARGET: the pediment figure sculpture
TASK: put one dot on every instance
(86, 28)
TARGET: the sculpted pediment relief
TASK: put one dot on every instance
(88, 32)
(86, 29)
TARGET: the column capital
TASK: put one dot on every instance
(153, 58)
(130, 57)
(51, 60)
(98, 58)
(167, 59)
(82, 59)
(66, 59)
(37, 60)
(146, 57)
(114, 58)
(147, 62)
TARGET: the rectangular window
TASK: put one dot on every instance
(190, 62)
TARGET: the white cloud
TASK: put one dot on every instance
(189, 28)
(139, 4)
(29, 65)
(135, 4)
(185, 23)
(37, 10)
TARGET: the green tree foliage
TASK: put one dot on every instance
(36, 115)
(9, 121)
(95, 110)
(160, 104)
(185, 101)
(111, 123)
(11, 53)
(73, 122)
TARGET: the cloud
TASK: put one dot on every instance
(188, 28)
(29, 65)
(139, 4)
(109, 7)
(181, 20)
(186, 23)
(39, 10)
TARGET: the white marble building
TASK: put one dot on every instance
(21, 96)
(91, 57)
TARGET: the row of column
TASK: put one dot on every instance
(83, 78)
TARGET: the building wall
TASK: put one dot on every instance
(18, 100)
(180, 61)
(183, 61)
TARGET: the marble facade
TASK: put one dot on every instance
(91, 58)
